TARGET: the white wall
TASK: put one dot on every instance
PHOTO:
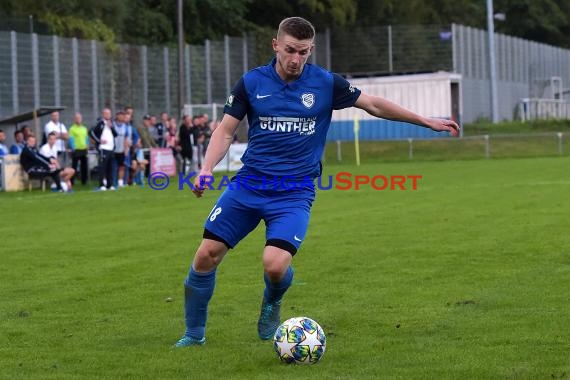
(426, 94)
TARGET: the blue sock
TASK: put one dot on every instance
(274, 290)
(198, 289)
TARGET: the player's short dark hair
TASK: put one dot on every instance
(17, 131)
(52, 134)
(296, 27)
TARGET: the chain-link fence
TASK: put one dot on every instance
(41, 70)
(85, 76)
(391, 50)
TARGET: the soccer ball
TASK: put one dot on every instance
(300, 340)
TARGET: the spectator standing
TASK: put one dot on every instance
(153, 130)
(26, 131)
(133, 142)
(172, 142)
(162, 130)
(121, 147)
(79, 144)
(186, 141)
(145, 133)
(104, 134)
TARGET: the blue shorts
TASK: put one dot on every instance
(238, 211)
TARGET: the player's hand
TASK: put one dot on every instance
(199, 184)
(443, 125)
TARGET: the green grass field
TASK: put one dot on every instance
(466, 278)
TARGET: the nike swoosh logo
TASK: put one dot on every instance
(262, 96)
(296, 238)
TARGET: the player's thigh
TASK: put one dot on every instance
(235, 214)
(287, 223)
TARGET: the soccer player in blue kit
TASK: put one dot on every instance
(289, 105)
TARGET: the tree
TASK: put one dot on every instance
(154, 21)
(322, 13)
(539, 20)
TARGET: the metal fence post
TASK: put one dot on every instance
(113, 83)
(560, 149)
(188, 75)
(461, 63)
(390, 53)
(14, 56)
(487, 147)
(75, 65)
(244, 54)
(410, 148)
(454, 47)
(166, 65)
(56, 77)
(338, 151)
(36, 70)
(144, 78)
(227, 63)
(208, 72)
(492, 63)
(94, 79)
(328, 49)
(214, 111)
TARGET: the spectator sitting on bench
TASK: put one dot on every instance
(38, 166)
(3, 148)
(17, 147)
(50, 151)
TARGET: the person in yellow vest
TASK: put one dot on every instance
(79, 143)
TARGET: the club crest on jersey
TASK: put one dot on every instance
(308, 99)
(230, 101)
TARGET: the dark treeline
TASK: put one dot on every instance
(154, 21)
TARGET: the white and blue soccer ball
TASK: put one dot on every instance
(300, 340)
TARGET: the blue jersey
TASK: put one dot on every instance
(288, 122)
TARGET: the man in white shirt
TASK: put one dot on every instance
(104, 134)
(54, 125)
(49, 151)
(122, 146)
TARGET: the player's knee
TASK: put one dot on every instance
(275, 272)
(274, 268)
(209, 256)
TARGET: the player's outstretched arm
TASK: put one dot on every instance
(385, 109)
(220, 142)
